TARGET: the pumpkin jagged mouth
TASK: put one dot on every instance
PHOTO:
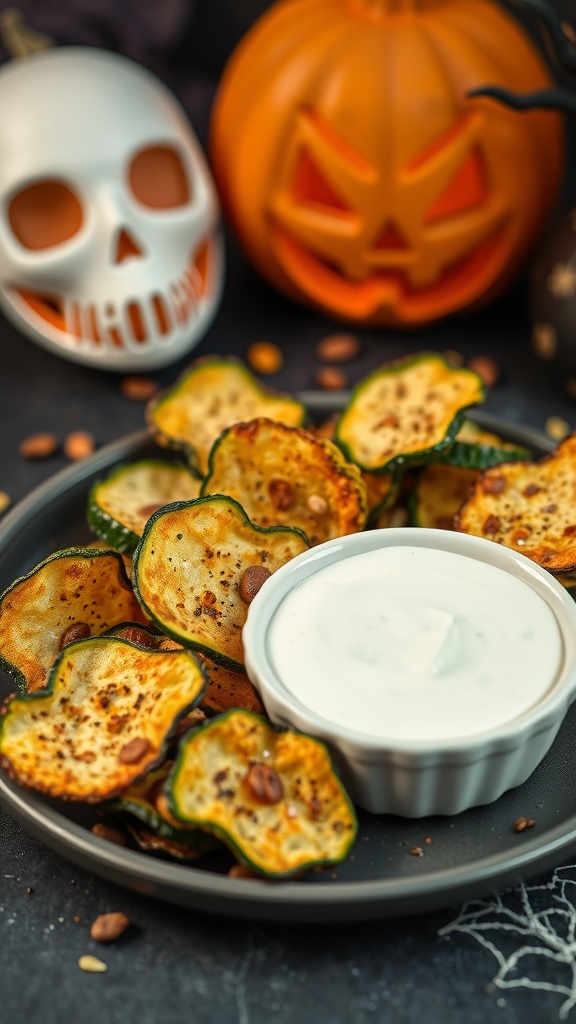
(325, 283)
(100, 324)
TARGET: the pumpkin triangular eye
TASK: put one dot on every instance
(311, 187)
(468, 188)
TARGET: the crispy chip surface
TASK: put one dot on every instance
(529, 506)
(312, 822)
(285, 476)
(102, 722)
(120, 506)
(189, 566)
(405, 412)
(76, 585)
(438, 495)
(209, 397)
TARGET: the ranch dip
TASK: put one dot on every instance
(415, 643)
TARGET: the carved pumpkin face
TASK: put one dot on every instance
(384, 196)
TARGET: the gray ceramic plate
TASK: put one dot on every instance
(468, 855)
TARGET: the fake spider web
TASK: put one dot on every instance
(531, 945)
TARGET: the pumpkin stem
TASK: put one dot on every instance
(542, 99)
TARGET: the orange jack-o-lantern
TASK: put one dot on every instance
(359, 175)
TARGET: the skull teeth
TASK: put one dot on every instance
(134, 323)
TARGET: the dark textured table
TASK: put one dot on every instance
(172, 964)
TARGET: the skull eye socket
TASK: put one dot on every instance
(158, 178)
(45, 214)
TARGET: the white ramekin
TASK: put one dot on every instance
(418, 778)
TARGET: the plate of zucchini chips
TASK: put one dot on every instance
(132, 740)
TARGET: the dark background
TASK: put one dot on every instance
(177, 965)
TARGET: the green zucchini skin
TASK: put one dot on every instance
(107, 528)
(218, 656)
(111, 529)
(50, 778)
(74, 552)
(397, 464)
(479, 457)
(185, 385)
(130, 805)
(240, 849)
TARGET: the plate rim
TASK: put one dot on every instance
(288, 900)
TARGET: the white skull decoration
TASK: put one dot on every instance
(110, 247)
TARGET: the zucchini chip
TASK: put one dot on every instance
(149, 841)
(382, 490)
(479, 449)
(73, 593)
(210, 396)
(406, 412)
(272, 797)
(285, 476)
(103, 721)
(142, 801)
(120, 506)
(529, 506)
(194, 567)
(438, 495)
(228, 690)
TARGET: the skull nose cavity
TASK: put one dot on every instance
(126, 247)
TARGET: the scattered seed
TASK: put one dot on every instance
(557, 428)
(113, 835)
(92, 964)
(486, 368)
(338, 348)
(329, 378)
(282, 494)
(265, 357)
(241, 871)
(29, 890)
(568, 31)
(317, 505)
(521, 824)
(76, 919)
(78, 445)
(5, 501)
(138, 389)
(251, 581)
(147, 510)
(264, 784)
(544, 341)
(134, 750)
(494, 484)
(38, 446)
(417, 851)
(428, 840)
(108, 927)
(75, 631)
(491, 525)
(136, 635)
